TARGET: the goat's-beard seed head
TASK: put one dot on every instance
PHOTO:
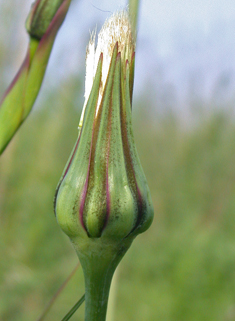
(103, 192)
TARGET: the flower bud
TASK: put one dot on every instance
(40, 16)
(102, 201)
(103, 192)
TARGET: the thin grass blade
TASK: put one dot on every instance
(74, 309)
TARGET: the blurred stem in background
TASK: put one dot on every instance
(52, 301)
(43, 23)
(112, 297)
(134, 12)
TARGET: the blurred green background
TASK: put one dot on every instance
(181, 269)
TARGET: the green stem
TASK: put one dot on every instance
(98, 272)
(134, 11)
(33, 45)
(99, 261)
(97, 287)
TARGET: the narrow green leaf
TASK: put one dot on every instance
(55, 296)
(74, 309)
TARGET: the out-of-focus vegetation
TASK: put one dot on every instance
(182, 269)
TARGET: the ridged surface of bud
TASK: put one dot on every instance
(102, 201)
(103, 191)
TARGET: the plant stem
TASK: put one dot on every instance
(97, 297)
(134, 11)
(97, 286)
(99, 261)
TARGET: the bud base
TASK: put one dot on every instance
(99, 261)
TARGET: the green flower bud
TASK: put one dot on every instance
(104, 183)
(102, 201)
(40, 16)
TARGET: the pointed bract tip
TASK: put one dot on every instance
(115, 35)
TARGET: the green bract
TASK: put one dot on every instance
(103, 201)
(103, 191)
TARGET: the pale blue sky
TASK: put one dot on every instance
(182, 46)
(176, 39)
